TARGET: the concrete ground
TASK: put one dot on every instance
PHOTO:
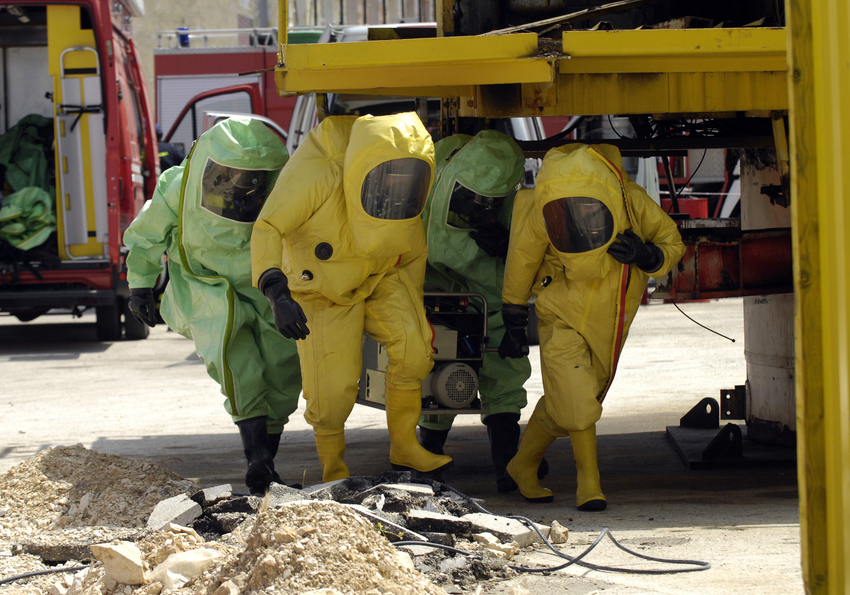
(153, 399)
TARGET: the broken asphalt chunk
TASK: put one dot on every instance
(209, 496)
(436, 522)
(179, 510)
(505, 529)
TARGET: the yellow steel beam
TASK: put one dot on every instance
(459, 91)
(631, 93)
(282, 25)
(599, 72)
(400, 63)
(820, 134)
(674, 50)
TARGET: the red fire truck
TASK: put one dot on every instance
(73, 82)
(194, 80)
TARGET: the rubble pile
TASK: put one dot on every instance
(67, 487)
(161, 535)
(309, 545)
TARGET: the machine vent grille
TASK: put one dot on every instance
(455, 385)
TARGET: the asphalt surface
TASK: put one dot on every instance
(153, 399)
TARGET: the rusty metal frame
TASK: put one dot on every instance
(730, 263)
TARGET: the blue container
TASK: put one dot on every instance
(182, 39)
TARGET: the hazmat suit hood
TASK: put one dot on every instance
(481, 180)
(229, 173)
(583, 205)
(389, 168)
(446, 148)
(490, 164)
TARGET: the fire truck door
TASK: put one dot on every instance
(80, 135)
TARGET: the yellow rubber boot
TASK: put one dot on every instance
(331, 449)
(589, 497)
(523, 467)
(403, 410)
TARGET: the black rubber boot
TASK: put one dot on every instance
(433, 440)
(274, 443)
(257, 447)
(503, 432)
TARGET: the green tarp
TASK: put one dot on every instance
(27, 215)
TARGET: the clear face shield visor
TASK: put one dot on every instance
(470, 210)
(233, 193)
(578, 224)
(396, 189)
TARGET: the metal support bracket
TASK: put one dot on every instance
(728, 444)
(734, 402)
(701, 446)
(704, 415)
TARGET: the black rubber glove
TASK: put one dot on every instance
(493, 239)
(142, 305)
(288, 315)
(515, 342)
(632, 250)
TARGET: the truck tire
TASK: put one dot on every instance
(134, 329)
(108, 322)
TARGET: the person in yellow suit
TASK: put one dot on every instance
(585, 242)
(339, 249)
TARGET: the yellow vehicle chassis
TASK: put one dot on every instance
(686, 71)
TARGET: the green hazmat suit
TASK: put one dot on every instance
(586, 299)
(26, 153)
(200, 218)
(491, 165)
(344, 226)
(27, 218)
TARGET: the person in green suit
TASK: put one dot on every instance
(202, 216)
(467, 219)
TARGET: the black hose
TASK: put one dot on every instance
(695, 565)
(19, 577)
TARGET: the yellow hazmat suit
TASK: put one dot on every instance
(340, 248)
(561, 251)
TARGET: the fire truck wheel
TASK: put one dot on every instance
(134, 329)
(108, 322)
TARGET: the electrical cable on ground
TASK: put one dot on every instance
(694, 565)
(19, 577)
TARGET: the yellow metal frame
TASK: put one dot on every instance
(399, 64)
(598, 72)
(674, 50)
(820, 209)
